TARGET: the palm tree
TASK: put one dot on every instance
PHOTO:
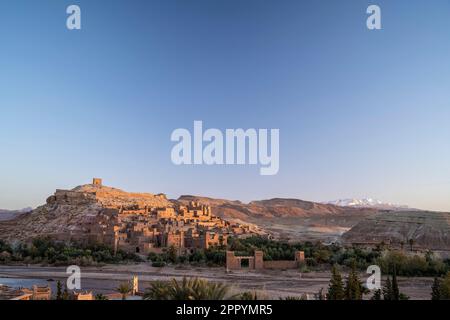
(159, 290)
(210, 291)
(248, 295)
(187, 289)
(124, 289)
(182, 290)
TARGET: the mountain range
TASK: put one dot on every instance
(367, 203)
(362, 222)
(289, 219)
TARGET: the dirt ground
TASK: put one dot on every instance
(268, 284)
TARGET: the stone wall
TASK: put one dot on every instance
(97, 182)
(257, 261)
(280, 264)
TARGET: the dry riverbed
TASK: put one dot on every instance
(268, 284)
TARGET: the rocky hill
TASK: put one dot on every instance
(72, 211)
(428, 230)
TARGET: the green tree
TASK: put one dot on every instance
(59, 294)
(376, 295)
(445, 287)
(387, 289)
(336, 287)
(395, 289)
(403, 296)
(436, 289)
(353, 288)
(391, 290)
(158, 290)
(322, 255)
(172, 254)
(100, 297)
(124, 289)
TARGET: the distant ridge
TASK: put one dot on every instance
(289, 219)
(12, 214)
(270, 208)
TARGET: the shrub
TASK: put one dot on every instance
(158, 264)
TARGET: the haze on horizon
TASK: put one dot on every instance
(361, 113)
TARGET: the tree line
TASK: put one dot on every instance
(45, 251)
(317, 256)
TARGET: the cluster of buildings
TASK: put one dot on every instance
(33, 293)
(45, 293)
(143, 229)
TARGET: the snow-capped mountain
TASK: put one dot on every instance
(367, 203)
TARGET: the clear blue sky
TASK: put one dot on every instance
(361, 113)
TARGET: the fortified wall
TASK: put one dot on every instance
(256, 262)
